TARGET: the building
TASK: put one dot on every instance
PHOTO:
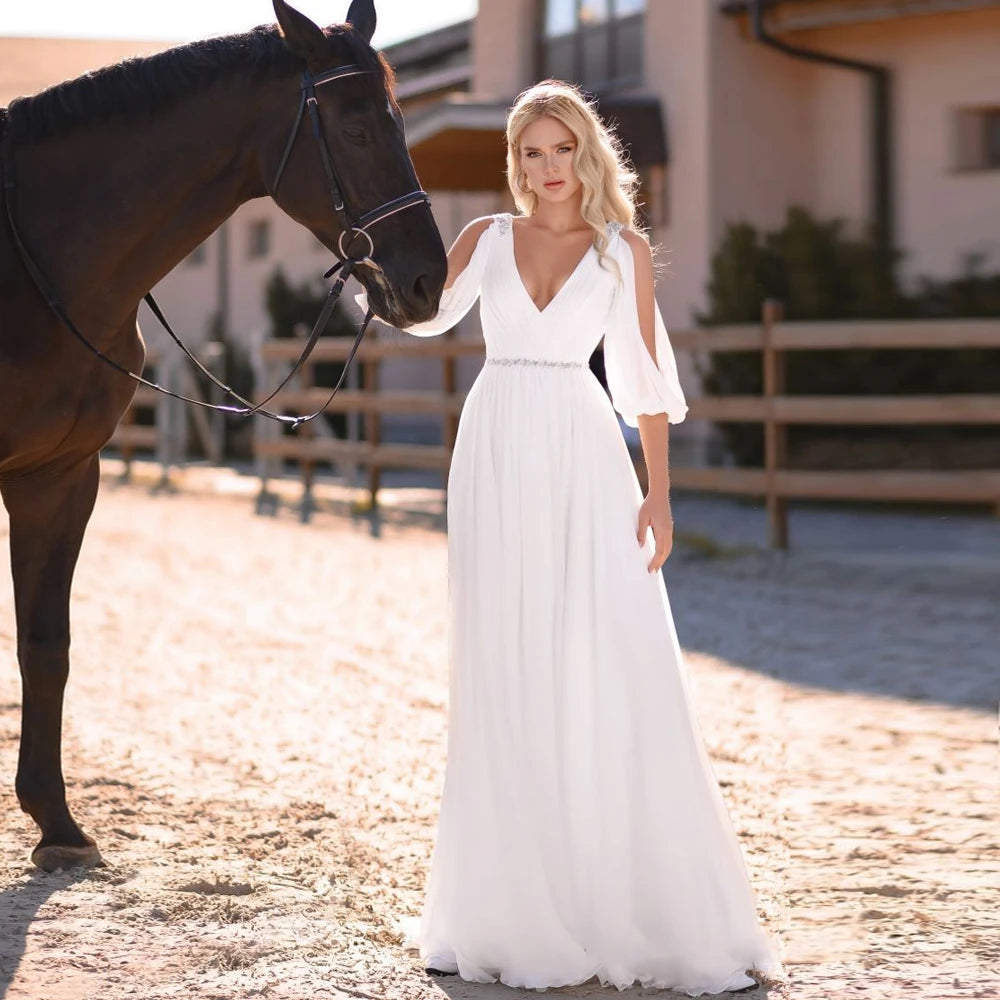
(872, 110)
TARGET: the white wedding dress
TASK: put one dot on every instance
(582, 831)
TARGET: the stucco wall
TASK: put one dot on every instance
(503, 47)
(785, 131)
(753, 130)
(763, 130)
(940, 62)
(676, 66)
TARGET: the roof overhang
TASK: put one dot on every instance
(739, 6)
(809, 15)
(458, 143)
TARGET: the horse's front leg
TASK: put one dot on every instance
(48, 516)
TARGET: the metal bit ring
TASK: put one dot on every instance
(353, 232)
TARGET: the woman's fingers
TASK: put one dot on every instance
(664, 545)
(644, 524)
(659, 557)
(663, 535)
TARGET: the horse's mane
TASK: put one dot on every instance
(148, 83)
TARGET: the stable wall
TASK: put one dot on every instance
(939, 62)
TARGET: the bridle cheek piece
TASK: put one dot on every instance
(347, 263)
(310, 102)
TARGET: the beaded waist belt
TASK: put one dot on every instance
(537, 362)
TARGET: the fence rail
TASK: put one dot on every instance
(909, 409)
(780, 335)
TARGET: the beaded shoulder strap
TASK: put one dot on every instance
(503, 222)
(614, 228)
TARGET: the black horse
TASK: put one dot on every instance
(113, 178)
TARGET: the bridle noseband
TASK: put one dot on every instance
(347, 263)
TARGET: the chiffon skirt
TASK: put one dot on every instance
(582, 831)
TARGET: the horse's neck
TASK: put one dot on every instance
(109, 209)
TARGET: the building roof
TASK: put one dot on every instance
(807, 14)
(738, 6)
(431, 47)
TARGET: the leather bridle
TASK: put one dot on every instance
(310, 101)
(345, 265)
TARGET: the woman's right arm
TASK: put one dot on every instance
(466, 263)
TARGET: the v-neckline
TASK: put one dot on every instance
(524, 287)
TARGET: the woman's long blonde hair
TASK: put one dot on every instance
(609, 182)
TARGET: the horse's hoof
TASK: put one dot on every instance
(52, 857)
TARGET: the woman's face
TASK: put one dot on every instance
(547, 148)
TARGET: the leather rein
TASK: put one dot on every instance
(357, 230)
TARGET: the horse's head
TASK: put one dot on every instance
(354, 128)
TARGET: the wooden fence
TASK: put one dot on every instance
(314, 442)
(776, 410)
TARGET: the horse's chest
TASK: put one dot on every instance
(56, 398)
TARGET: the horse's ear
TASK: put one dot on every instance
(361, 14)
(301, 36)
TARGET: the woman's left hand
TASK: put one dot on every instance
(655, 513)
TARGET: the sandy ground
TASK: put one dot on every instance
(256, 732)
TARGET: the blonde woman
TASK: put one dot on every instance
(582, 832)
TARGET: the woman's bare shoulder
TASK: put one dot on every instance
(638, 244)
(465, 245)
(465, 242)
(474, 229)
(480, 225)
(642, 254)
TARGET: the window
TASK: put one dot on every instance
(560, 17)
(197, 256)
(259, 239)
(594, 11)
(977, 138)
(596, 43)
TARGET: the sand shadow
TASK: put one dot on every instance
(844, 623)
(19, 906)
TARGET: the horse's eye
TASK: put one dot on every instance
(356, 135)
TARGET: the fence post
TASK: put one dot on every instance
(263, 430)
(214, 359)
(166, 420)
(775, 432)
(306, 379)
(373, 428)
(126, 449)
